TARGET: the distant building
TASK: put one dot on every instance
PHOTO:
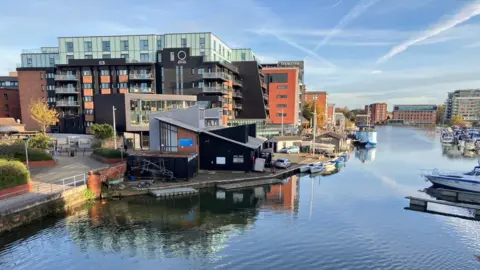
(362, 120)
(378, 112)
(321, 103)
(415, 114)
(9, 99)
(331, 114)
(465, 103)
(339, 121)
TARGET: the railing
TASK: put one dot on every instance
(67, 103)
(266, 107)
(237, 82)
(216, 75)
(215, 89)
(39, 189)
(140, 76)
(237, 94)
(66, 77)
(265, 96)
(66, 90)
(264, 85)
(140, 90)
(237, 106)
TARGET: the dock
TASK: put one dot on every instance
(248, 184)
(421, 204)
(172, 192)
(456, 195)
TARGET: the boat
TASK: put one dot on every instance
(469, 145)
(306, 168)
(339, 163)
(317, 168)
(329, 167)
(447, 137)
(469, 181)
(366, 135)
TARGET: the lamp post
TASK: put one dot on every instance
(282, 122)
(26, 139)
(114, 129)
(314, 122)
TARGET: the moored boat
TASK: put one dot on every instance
(329, 167)
(469, 181)
(317, 168)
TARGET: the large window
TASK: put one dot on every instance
(51, 61)
(281, 105)
(278, 78)
(144, 44)
(88, 46)
(202, 43)
(69, 46)
(184, 42)
(144, 57)
(106, 45)
(168, 137)
(124, 56)
(88, 56)
(215, 45)
(105, 85)
(244, 56)
(282, 86)
(106, 56)
(282, 96)
(124, 45)
(104, 72)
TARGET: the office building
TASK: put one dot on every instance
(9, 99)
(286, 87)
(465, 103)
(197, 64)
(378, 112)
(415, 114)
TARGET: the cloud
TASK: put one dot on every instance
(357, 10)
(376, 71)
(469, 11)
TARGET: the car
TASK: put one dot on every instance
(282, 163)
(293, 149)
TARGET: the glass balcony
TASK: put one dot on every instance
(66, 90)
(217, 75)
(215, 89)
(66, 77)
(237, 82)
(237, 94)
(237, 106)
(140, 90)
(67, 103)
(140, 76)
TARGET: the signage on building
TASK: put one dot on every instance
(185, 142)
(291, 63)
(238, 159)
(182, 55)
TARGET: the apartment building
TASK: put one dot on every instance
(415, 114)
(9, 99)
(378, 112)
(181, 64)
(465, 103)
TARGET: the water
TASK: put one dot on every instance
(351, 220)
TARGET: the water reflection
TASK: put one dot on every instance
(452, 151)
(364, 154)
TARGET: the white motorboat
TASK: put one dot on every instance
(329, 166)
(469, 145)
(317, 168)
(447, 138)
(306, 168)
(469, 181)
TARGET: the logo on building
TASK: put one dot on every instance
(182, 55)
(101, 63)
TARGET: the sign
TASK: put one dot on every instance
(238, 159)
(291, 63)
(185, 142)
(221, 160)
(182, 55)
(101, 63)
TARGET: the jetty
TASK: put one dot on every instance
(421, 205)
(173, 192)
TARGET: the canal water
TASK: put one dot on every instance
(354, 219)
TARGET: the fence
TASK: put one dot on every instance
(45, 189)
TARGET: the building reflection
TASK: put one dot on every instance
(365, 155)
(452, 151)
(284, 197)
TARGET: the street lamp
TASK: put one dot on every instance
(114, 129)
(314, 122)
(26, 139)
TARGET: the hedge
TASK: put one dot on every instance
(109, 153)
(17, 152)
(13, 173)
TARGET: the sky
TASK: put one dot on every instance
(359, 51)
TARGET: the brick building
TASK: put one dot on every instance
(378, 112)
(9, 101)
(415, 114)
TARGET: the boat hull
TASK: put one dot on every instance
(458, 184)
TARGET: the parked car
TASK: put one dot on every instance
(291, 149)
(282, 163)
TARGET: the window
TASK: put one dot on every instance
(202, 53)
(88, 56)
(124, 45)
(29, 61)
(201, 71)
(87, 86)
(106, 56)
(50, 87)
(104, 72)
(244, 57)
(41, 75)
(51, 61)
(280, 114)
(124, 56)
(43, 88)
(168, 137)
(282, 86)
(193, 71)
(159, 44)
(144, 57)
(122, 72)
(88, 111)
(105, 85)
(278, 78)
(282, 96)
(144, 44)
(69, 57)
(215, 45)
(86, 72)
(202, 43)
(5, 96)
(184, 42)
(87, 99)
(122, 85)
(88, 46)
(5, 108)
(106, 45)
(172, 56)
(69, 46)
(281, 105)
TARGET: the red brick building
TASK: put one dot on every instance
(378, 112)
(9, 101)
(415, 114)
(322, 99)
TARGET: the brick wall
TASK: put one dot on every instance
(30, 89)
(187, 134)
(11, 99)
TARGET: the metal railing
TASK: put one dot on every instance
(215, 89)
(44, 189)
(140, 76)
(66, 77)
(140, 90)
(237, 94)
(66, 90)
(216, 75)
(66, 103)
(237, 82)
(237, 106)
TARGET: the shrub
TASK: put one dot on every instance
(13, 173)
(109, 153)
(40, 141)
(17, 152)
(102, 131)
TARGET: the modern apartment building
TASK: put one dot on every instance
(180, 64)
(9, 100)
(378, 112)
(415, 114)
(465, 103)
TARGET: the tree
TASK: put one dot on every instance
(307, 110)
(43, 115)
(348, 123)
(440, 113)
(457, 120)
(102, 131)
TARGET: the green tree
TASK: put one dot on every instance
(102, 131)
(43, 115)
(307, 110)
(40, 141)
(457, 120)
(440, 113)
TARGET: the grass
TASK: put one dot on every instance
(13, 173)
(109, 153)
(17, 152)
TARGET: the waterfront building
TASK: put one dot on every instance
(339, 122)
(415, 114)
(9, 99)
(378, 112)
(197, 64)
(465, 103)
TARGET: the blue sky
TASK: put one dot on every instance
(359, 51)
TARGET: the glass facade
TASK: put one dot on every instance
(140, 109)
(415, 108)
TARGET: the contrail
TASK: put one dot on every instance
(355, 12)
(466, 13)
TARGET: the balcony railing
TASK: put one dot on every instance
(66, 77)
(237, 106)
(140, 76)
(237, 94)
(237, 82)
(266, 107)
(67, 103)
(265, 96)
(140, 90)
(215, 89)
(264, 85)
(66, 90)
(216, 75)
